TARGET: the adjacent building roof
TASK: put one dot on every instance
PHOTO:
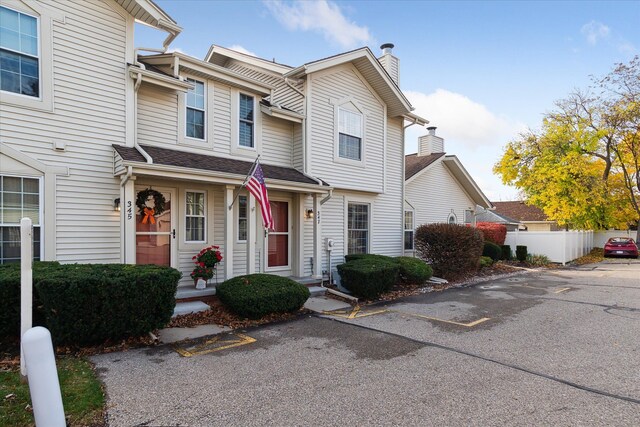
(520, 211)
(187, 160)
(414, 163)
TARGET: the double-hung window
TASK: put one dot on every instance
(19, 198)
(246, 125)
(195, 219)
(195, 110)
(358, 228)
(349, 135)
(19, 54)
(242, 218)
(408, 230)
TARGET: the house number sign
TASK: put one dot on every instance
(129, 210)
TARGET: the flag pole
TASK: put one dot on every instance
(246, 178)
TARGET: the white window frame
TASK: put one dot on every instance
(253, 122)
(44, 17)
(352, 106)
(204, 110)
(204, 216)
(450, 216)
(236, 148)
(246, 218)
(346, 222)
(37, 56)
(411, 229)
(41, 221)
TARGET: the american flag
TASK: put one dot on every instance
(258, 188)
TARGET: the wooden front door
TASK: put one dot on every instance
(155, 234)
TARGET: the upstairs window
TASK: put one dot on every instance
(246, 125)
(195, 110)
(350, 135)
(19, 56)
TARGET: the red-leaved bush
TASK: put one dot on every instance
(493, 232)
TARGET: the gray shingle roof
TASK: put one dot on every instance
(414, 163)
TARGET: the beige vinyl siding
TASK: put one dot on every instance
(333, 227)
(336, 85)
(307, 244)
(89, 81)
(157, 115)
(297, 155)
(434, 193)
(277, 141)
(282, 94)
(221, 119)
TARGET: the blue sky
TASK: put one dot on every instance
(479, 71)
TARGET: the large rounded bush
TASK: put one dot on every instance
(451, 249)
(369, 277)
(413, 270)
(256, 295)
(492, 250)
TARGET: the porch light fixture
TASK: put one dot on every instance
(308, 214)
(116, 205)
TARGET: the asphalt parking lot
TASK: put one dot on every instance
(559, 347)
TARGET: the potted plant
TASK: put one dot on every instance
(205, 265)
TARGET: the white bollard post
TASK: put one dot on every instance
(44, 387)
(26, 282)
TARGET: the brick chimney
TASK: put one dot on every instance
(430, 143)
(390, 62)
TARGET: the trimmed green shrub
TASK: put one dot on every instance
(10, 296)
(451, 249)
(493, 232)
(369, 277)
(506, 252)
(354, 257)
(92, 303)
(485, 261)
(413, 270)
(256, 295)
(521, 253)
(492, 250)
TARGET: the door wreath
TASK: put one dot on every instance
(148, 214)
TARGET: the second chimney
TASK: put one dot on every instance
(390, 62)
(430, 143)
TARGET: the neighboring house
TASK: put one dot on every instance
(438, 189)
(330, 136)
(529, 217)
(493, 216)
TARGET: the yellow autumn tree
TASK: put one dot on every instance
(582, 167)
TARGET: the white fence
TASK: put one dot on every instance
(601, 237)
(558, 246)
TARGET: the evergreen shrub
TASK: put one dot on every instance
(521, 253)
(257, 295)
(369, 277)
(492, 250)
(506, 252)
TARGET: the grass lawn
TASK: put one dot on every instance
(82, 395)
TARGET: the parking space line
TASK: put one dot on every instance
(559, 291)
(214, 344)
(466, 325)
(354, 314)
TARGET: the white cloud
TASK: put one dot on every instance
(471, 131)
(241, 49)
(469, 123)
(594, 31)
(321, 16)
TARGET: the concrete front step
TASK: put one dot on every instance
(317, 291)
(189, 307)
(185, 292)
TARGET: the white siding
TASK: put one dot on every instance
(339, 84)
(277, 141)
(89, 60)
(435, 193)
(297, 155)
(157, 115)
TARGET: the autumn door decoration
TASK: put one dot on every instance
(148, 214)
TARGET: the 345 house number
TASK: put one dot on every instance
(129, 209)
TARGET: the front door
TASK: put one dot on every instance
(279, 240)
(155, 233)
